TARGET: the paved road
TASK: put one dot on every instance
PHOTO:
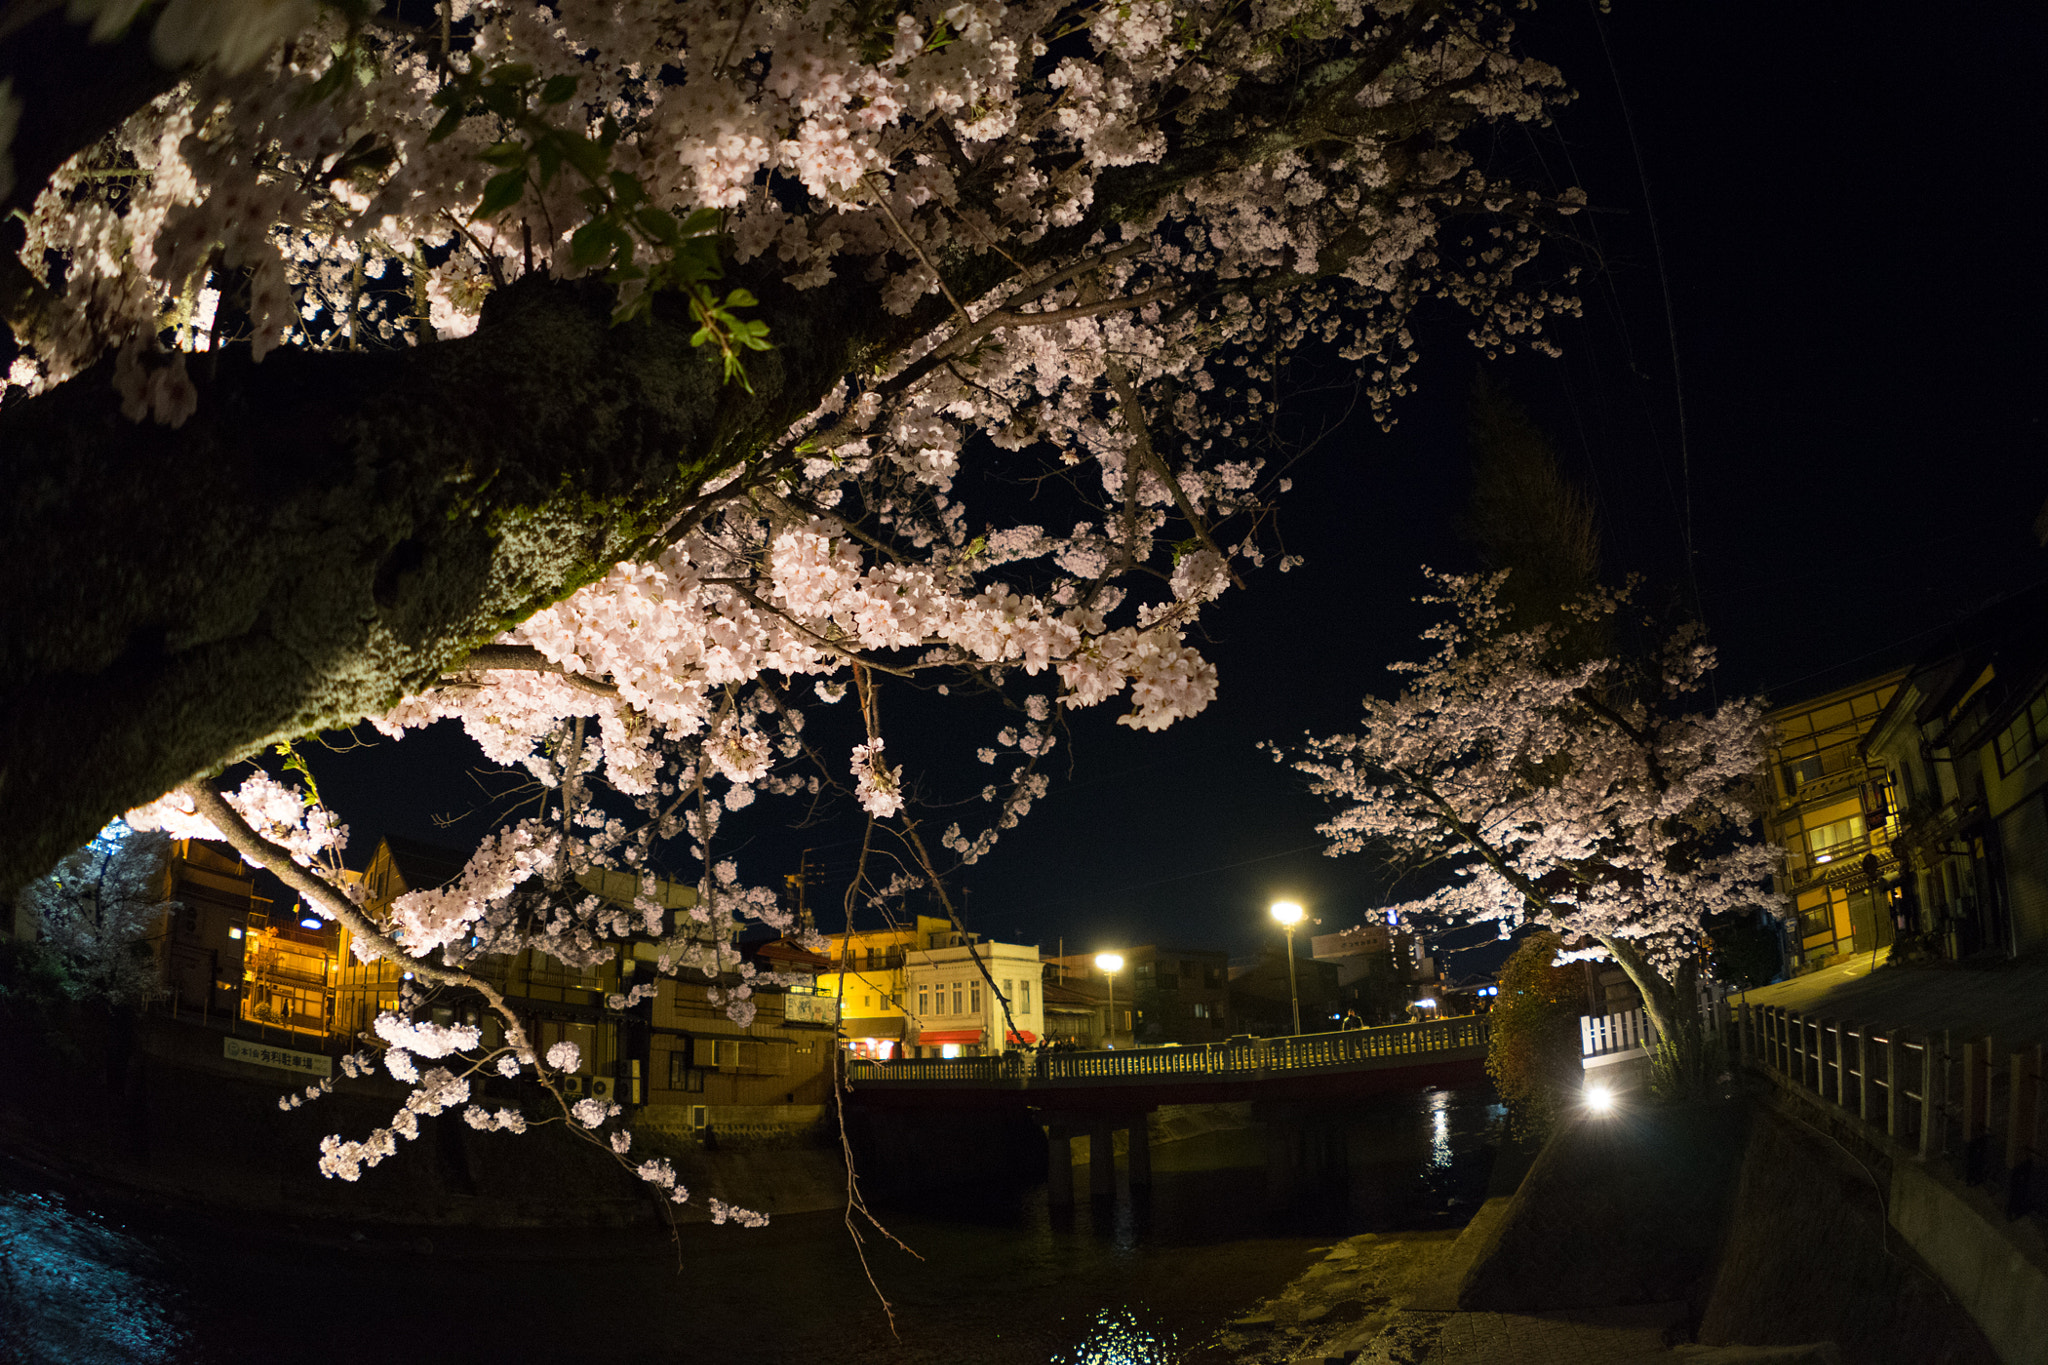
(2008, 1000)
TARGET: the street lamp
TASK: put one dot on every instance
(1111, 964)
(1289, 914)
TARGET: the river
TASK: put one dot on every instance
(997, 1277)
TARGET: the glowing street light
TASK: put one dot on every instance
(1599, 1099)
(1289, 914)
(1111, 964)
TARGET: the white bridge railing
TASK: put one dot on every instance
(1351, 1049)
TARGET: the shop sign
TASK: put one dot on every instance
(284, 1059)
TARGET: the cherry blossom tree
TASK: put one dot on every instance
(621, 380)
(1592, 796)
(96, 909)
(344, 344)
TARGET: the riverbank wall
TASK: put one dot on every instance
(1744, 1232)
(1764, 1229)
(151, 1108)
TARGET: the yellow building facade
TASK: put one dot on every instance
(868, 972)
(1829, 809)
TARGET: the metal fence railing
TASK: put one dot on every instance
(1349, 1049)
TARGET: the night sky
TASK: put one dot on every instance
(1842, 203)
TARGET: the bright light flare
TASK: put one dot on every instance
(1599, 1099)
(1287, 912)
(1110, 962)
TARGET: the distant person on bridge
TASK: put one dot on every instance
(1351, 1019)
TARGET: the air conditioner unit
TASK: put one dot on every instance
(603, 1088)
(572, 1085)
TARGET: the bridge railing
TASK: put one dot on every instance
(1242, 1057)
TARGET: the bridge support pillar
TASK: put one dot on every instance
(1307, 1153)
(1102, 1161)
(1141, 1154)
(1059, 1169)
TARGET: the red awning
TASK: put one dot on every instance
(1021, 1037)
(940, 1037)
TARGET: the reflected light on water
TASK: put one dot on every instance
(77, 1291)
(1117, 1338)
(1439, 1129)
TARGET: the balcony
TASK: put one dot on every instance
(1837, 861)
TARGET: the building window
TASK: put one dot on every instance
(683, 1076)
(924, 1000)
(1201, 1008)
(974, 997)
(1009, 989)
(1827, 841)
(1800, 771)
(1027, 997)
(2026, 736)
(956, 999)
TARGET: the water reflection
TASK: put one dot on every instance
(1117, 1338)
(76, 1291)
(1003, 1279)
(1439, 1129)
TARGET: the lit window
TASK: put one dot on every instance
(974, 998)
(924, 1002)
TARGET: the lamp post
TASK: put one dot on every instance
(1111, 964)
(1289, 914)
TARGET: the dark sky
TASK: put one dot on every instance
(1842, 204)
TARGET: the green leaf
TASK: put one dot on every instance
(609, 133)
(512, 73)
(505, 155)
(503, 100)
(740, 298)
(548, 152)
(700, 222)
(586, 156)
(659, 225)
(558, 90)
(626, 189)
(592, 242)
(501, 192)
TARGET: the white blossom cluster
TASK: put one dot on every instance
(437, 1090)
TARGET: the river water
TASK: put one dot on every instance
(997, 1277)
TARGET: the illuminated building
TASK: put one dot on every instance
(1826, 808)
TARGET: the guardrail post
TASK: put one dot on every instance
(1863, 1073)
(1842, 1063)
(1893, 1071)
(2023, 1131)
(1931, 1072)
(1976, 1110)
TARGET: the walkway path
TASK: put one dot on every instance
(2008, 1000)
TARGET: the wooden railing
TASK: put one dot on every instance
(1349, 1049)
(1930, 1095)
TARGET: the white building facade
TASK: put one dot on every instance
(953, 1011)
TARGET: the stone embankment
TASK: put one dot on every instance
(1647, 1238)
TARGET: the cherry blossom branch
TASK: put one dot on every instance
(525, 658)
(260, 851)
(1141, 440)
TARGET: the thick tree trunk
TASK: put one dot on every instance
(330, 531)
(1682, 1066)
